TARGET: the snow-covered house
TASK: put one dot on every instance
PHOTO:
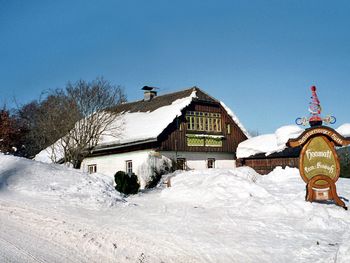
(188, 127)
(265, 152)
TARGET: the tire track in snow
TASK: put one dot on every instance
(12, 253)
(23, 229)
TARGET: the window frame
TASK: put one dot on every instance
(183, 167)
(228, 128)
(92, 168)
(128, 169)
(212, 161)
(204, 121)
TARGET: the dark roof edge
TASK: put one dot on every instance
(285, 153)
(118, 146)
(196, 88)
(164, 94)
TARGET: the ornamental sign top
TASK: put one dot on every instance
(320, 130)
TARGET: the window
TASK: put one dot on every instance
(179, 124)
(128, 167)
(180, 164)
(92, 168)
(213, 142)
(204, 140)
(211, 163)
(228, 128)
(193, 140)
(203, 121)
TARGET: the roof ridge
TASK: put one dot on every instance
(181, 90)
(165, 94)
(205, 93)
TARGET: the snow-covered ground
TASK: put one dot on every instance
(50, 213)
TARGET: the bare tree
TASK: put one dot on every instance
(93, 103)
(11, 132)
(47, 120)
(69, 122)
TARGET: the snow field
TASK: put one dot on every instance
(50, 213)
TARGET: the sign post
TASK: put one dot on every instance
(318, 161)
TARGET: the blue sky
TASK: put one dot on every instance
(259, 57)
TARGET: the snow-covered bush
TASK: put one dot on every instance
(126, 183)
(165, 168)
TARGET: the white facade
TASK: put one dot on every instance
(198, 160)
(112, 163)
(144, 161)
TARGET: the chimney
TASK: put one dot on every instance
(149, 93)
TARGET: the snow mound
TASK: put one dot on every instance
(218, 188)
(280, 194)
(280, 174)
(50, 181)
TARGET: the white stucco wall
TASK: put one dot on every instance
(110, 164)
(198, 160)
(144, 161)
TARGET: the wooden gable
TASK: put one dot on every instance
(176, 136)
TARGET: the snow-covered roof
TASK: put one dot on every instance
(344, 130)
(143, 121)
(235, 119)
(146, 125)
(276, 142)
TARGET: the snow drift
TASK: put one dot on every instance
(52, 181)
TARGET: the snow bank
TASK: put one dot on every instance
(264, 216)
(23, 176)
(276, 142)
(208, 187)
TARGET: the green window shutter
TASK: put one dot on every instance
(213, 142)
(195, 141)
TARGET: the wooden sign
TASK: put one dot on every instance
(318, 156)
(318, 162)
